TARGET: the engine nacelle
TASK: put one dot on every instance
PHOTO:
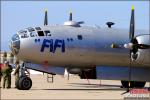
(142, 55)
(84, 73)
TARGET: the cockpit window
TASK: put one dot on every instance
(33, 34)
(47, 33)
(30, 29)
(15, 37)
(40, 33)
(37, 28)
(23, 34)
(22, 31)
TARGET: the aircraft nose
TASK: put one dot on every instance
(15, 44)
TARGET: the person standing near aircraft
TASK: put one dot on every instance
(16, 72)
(6, 72)
(0, 74)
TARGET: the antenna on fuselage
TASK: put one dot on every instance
(70, 17)
(46, 18)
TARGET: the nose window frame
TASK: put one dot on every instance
(38, 28)
(40, 33)
(30, 29)
(33, 34)
(23, 33)
(15, 37)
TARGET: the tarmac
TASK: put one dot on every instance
(61, 88)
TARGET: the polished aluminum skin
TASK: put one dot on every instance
(98, 46)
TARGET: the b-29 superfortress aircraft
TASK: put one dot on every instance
(82, 49)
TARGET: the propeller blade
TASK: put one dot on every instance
(81, 22)
(138, 46)
(70, 17)
(131, 36)
(143, 46)
(132, 25)
(46, 18)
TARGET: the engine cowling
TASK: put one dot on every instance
(142, 55)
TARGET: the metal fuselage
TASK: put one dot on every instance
(80, 47)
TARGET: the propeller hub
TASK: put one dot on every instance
(128, 46)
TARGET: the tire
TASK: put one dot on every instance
(133, 84)
(139, 84)
(125, 84)
(17, 84)
(25, 83)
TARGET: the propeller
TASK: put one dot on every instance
(132, 45)
(70, 22)
(70, 18)
(46, 18)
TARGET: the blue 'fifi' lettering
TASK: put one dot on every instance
(59, 44)
(53, 45)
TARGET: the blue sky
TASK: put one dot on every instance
(16, 15)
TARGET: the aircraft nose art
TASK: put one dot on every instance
(15, 44)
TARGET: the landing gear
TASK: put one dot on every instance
(133, 84)
(17, 84)
(24, 82)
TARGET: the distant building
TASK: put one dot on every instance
(7, 56)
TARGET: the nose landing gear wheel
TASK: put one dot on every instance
(17, 84)
(24, 83)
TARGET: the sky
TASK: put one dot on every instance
(17, 15)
